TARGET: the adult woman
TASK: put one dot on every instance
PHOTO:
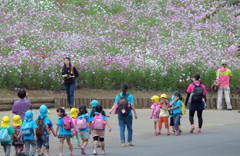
(124, 120)
(69, 73)
(198, 92)
(224, 77)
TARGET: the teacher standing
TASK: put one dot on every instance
(69, 73)
(125, 120)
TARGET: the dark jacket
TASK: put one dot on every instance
(66, 70)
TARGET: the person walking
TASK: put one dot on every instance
(125, 106)
(224, 77)
(69, 73)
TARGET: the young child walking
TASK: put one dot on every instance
(74, 116)
(164, 114)
(6, 132)
(17, 142)
(176, 105)
(43, 130)
(64, 128)
(82, 125)
(155, 112)
(98, 124)
(50, 126)
(28, 130)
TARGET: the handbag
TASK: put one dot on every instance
(215, 83)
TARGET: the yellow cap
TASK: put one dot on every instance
(49, 115)
(164, 96)
(5, 122)
(17, 121)
(155, 98)
(73, 112)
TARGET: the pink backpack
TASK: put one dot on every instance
(73, 130)
(67, 123)
(98, 122)
(82, 123)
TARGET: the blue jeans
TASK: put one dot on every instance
(7, 149)
(124, 120)
(70, 88)
(176, 119)
(27, 147)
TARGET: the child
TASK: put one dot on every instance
(83, 128)
(74, 116)
(28, 130)
(171, 118)
(93, 103)
(42, 131)
(50, 126)
(6, 131)
(63, 133)
(176, 104)
(22, 105)
(155, 112)
(17, 143)
(98, 125)
(164, 114)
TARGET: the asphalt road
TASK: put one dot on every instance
(220, 136)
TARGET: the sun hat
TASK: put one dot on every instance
(164, 96)
(224, 62)
(5, 122)
(17, 121)
(155, 98)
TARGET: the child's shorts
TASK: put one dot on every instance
(84, 135)
(42, 141)
(155, 120)
(172, 122)
(64, 136)
(99, 133)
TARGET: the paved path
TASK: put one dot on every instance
(220, 137)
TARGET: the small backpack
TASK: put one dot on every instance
(40, 130)
(67, 123)
(73, 130)
(197, 93)
(82, 123)
(4, 136)
(98, 122)
(15, 141)
(123, 107)
(27, 128)
(183, 109)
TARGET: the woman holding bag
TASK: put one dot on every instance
(69, 73)
(124, 115)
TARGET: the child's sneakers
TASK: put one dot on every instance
(199, 131)
(192, 129)
(176, 134)
(168, 133)
(94, 152)
(83, 151)
(130, 144)
(155, 133)
(123, 144)
(103, 152)
(158, 133)
(173, 132)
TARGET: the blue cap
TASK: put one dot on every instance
(94, 103)
(28, 115)
(43, 111)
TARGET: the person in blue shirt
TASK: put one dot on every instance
(176, 104)
(42, 139)
(63, 133)
(124, 120)
(84, 133)
(98, 134)
(31, 138)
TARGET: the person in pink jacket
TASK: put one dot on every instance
(224, 78)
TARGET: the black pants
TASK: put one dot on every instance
(199, 115)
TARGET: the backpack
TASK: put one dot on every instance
(123, 107)
(27, 128)
(73, 130)
(82, 123)
(98, 122)
(4, 136)
(197, 93)
(15, 141)
(183, 109)
(67, 123)
(40, 130)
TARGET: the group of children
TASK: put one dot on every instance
(79, 124)
(162, 109)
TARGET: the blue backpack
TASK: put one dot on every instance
(27, 128)
(4, 136)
